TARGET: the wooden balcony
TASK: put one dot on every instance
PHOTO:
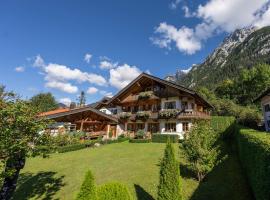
(194, 115)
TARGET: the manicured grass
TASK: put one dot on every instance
(137, 165)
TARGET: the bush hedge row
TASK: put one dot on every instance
(163, 138)
(254, 154)
(113, 191)
(140, 140)
(223, 125)
(74, 147)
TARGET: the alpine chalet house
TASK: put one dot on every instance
(156, 106)
(148, 103)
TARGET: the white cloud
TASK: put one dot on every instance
(19, 69)
(39, 62)
(184, 38)
(87, 57)
(92, 90)
(217, 16)
(107, 64)
(63, 86)
(186, 70)
(64, 73)
(65, 101)
(105, 93)
(173, 5)
(123, 75)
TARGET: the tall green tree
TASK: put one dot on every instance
(200, 149)
(19, 134)
(44, 102)
(169, 179)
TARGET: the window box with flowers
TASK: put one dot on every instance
(142, 115)
(145, 95)
(125, 115)
(168, 113)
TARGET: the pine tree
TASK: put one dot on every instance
(169, 180)
(88, 188)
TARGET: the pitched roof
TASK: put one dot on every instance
(52, 112)
(54, 115)
(263, 94)
(174, 85)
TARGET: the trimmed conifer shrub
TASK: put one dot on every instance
(113, 191)
(169, 180)
(88, 188)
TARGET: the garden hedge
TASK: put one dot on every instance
(223, 125)
(254, 154)
(163, 138)
(113, 191)
(72, 147)
(139, 140)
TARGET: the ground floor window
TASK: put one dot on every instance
(170, 127)
(153, 127)
(135, 126)
(185, 126)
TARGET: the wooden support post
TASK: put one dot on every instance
(81, 128)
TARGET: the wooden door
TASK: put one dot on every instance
(113, 130)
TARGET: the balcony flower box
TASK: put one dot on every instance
(142, 115)
(145, 95)
(168, 113)
(125, 115)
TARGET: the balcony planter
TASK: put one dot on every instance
(145, 95)
(142, 115)
(124, 115)
(168, 113)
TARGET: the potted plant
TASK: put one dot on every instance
(124, 115)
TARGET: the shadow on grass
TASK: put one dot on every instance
(225, 181)
(186, 172)
(43, 185)
(142, 194)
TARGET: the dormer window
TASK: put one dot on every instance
(170, 105)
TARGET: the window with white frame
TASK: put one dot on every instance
(185, 126)
(170, 105)
(170, 127)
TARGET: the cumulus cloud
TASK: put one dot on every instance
(19, 69)
(65, 101)
(64, 73)
(58, 76)
(92, 90)
(174, 4)
(106, 94)
(217, 16)
(39, 62)
(87, 57)
(122, 75)
(65, 87)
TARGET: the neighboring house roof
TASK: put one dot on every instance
(263, 94)
(54, 114)
(174, 85)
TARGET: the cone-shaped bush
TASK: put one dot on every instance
(169, 180)
(113, 191)
(88, 188)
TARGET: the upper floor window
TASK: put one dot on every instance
(184, 105)
(267, 108)
(113, 111)
(170, 105)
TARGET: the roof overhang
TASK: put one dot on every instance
(81, 110)
(168, 83)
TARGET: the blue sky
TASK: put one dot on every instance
(98, 46)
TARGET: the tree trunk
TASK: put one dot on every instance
(13, 167)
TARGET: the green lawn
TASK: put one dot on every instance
(137, 165)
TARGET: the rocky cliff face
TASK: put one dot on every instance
(241, 49)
